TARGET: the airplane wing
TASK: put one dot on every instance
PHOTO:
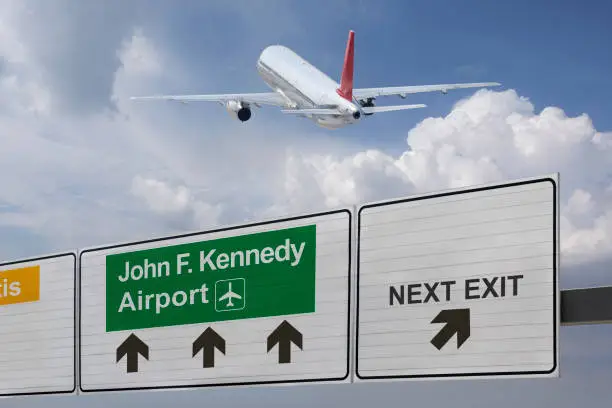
(263, 98)
(363, 93)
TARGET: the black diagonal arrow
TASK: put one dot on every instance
(284, 335)
(132, 347)
(208, 341)
(457, 322)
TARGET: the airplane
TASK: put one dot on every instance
(230, 295)
(300, 89)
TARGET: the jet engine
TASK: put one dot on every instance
(239, 110)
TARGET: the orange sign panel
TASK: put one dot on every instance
(20, 285)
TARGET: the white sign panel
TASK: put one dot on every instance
(260, 304)
(37, 314)
(460, 284)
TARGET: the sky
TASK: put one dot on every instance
(83, 166)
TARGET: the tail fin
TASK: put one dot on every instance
(346, 82)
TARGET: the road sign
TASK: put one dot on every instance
(459, 284)
(37, 314)
(256, 304)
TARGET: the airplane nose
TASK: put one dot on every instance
(356, 115)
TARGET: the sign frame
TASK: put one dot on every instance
(350, 305)
(553, 178)
(75, 314)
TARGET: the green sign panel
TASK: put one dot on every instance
(256, 275)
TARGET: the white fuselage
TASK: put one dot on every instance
(304, 86)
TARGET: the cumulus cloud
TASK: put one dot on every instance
(490, 136)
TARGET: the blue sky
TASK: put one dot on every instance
(102, 169)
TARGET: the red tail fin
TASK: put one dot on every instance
(346, 82)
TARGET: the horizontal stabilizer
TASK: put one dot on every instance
(379, 109)
(364, 93)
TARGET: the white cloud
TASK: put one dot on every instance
(491, 136)
(160, 197)
(176, 202)
(66, 177)
(139, 56)
(579, 203)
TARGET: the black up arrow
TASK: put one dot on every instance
(284, 335)
(457, 321)
(132, 347)
(208, 341)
